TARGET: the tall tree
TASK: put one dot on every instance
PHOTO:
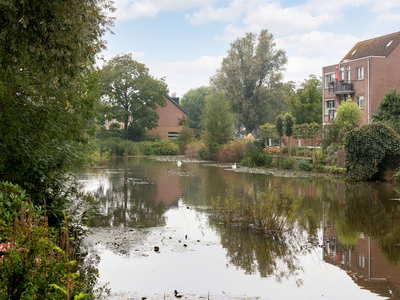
(251, 75)
(288, 123)
(132, 91)
(48, 99)
(194, 101)
(217, 120)
(279, 130)
(388, 110)
(305, 103)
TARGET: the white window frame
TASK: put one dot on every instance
(360, 102)
(348, 73)
(360, 73)
(329, 107)
(342, 73)
(331, 78)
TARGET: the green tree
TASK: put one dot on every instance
(132, 91)
(388, 110)
(288, 125)
(217, 120)
(48, 98)
(305, 103)
(279, 130)
(251, 75)
(349, 116)
(267, 131)
(194, 102)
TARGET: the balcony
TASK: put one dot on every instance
(340, 87)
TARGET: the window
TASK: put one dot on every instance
(354, 52)
(173, 134)
(330, 108)
(361, 260)
(348, 73)
(360, 101)
(389, 43)
(360, 73)
(342, 73)
(329, 78)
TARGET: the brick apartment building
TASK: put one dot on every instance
(364, 75)
(168, 122)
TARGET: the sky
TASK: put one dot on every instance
(184, 41)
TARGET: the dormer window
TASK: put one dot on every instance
(354, 52)
(389, 43)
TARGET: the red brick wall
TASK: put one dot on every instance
(168, 119)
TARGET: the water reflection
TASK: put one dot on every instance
(356, 223)
(362, 236)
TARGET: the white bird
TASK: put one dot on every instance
(179, 163)
(234, 166)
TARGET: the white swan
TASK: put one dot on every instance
(179, 163)
(234, 166)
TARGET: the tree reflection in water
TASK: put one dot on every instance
(129, 206)
(254, 252)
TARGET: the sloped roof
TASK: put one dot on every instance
(176, 102)
(380, 46)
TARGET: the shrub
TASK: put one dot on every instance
(34, 263)
(231, 152)
(165, 147)
(288, 163)
(193, 149)
(285, 150)
(370, 150)
(185, 137)
(272, 149)
(304, 165)
(253, 157)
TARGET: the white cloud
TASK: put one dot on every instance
(299, 68)
(135, 55)
(182, 76)
(136, 9)
(211, 13)
(384, 6)
(318, 44)
(389, 18)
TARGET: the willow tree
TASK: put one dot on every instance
(48, 99)
(251, 75)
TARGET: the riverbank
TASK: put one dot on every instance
(278, 172)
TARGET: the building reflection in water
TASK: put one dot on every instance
(363, 238)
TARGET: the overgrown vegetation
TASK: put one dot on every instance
(370, 151)
(275, 212)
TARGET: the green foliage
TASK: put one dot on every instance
(305, 103)
(288, 163)
(304, 165)
(165, 147)
(135, 133)
(132, 91)
(251, 75)
(217, 120)
(279, 126)
(331, 134)
(288, 124)
(268, 131)
(31, 259)
(349, 115)
(388, 110)
(253, 157)
(194, 102)
(371, 150)
(185, 137)
(49, 101)
(274, 212)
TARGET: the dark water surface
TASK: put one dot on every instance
(347, 248)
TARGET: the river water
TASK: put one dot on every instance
(157, 238)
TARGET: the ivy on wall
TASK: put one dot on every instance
(370, 150)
